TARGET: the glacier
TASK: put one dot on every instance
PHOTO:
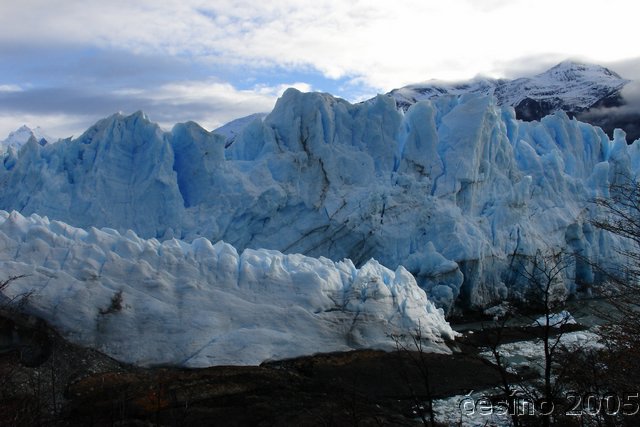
(453, 189)
(201, 304)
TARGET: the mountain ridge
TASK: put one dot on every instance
(569, 86)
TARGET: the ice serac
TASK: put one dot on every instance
(202, 304)
(198, 157)
(455, 189)
(118, 173)
(231, 130)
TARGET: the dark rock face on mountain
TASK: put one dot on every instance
(530, 109)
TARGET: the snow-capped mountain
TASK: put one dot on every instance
(19, 137)
(569, 86)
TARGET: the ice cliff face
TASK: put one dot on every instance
(201, 304)
(452, 189)
(118, 172)
(232, 129)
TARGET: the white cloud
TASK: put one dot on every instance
(277, 91)
(384, 44)
(10, 88)
(225, 101)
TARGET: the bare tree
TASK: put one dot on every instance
(546, 279)
(605, 380)
(617, 369)
(494, 338)
(543, 278)
(412, 348)
(621, 217)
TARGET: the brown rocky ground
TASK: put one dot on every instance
(45, 380)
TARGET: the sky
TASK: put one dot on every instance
(64, 64)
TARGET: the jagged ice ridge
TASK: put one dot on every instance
(452, 189)
(200, 304)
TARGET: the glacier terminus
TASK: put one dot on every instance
(306, 204)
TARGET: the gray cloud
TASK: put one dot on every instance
(628, 68)
(83, 85)
(59, 100)
(207, 102)
(83, 67)
(527, 66)
(621, 112)
(631, 95)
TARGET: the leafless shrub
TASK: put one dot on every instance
(17, 301)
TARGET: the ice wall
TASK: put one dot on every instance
(201, 304)
(452, 189)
